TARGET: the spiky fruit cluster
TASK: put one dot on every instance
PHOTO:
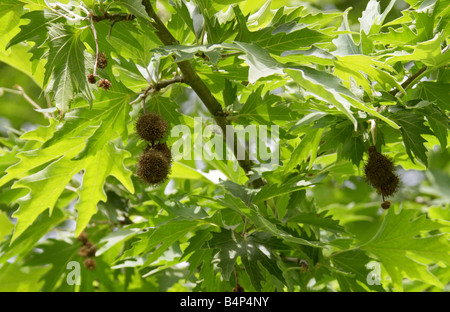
(87, 250)
(91, 78)
(162, 148)
(380, 173)
(151, 127)
(155, 162)
(153, 167)
(102, 61)
(105, 84)
(89, 264)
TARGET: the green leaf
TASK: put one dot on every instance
(439, 123)
(412, 128)
(68, 64)
(353, 262)
(307, 147)
(56, 253)
(109, 161)
(344, 42)
(135, 7)
(264, 109)
(29, 160)
(279, 37)
(359, 67)
(435, 91)
(27, 241)
(404, 251)
(254, 250)
(6, 225)
(328, 88)
(262, 223)
(36, 30)
(160, 238)
(428, 52)
(317, 219)
(260, 63)
(16, 278)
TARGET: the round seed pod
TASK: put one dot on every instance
(380, 173)
(151, 127)
(102, 61)
(105, 84)
(89, 264)
(83, 251)
(161, 147)
(379, 169)
(91, 78)
(386, 204)
(153, 167)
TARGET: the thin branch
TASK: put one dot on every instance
(408, 81)
(195, 82)
(411, 79)
(29, 100)
(164, 83)
(117, 17)
(91, 19)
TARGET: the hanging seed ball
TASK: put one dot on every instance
(102, 61)
(105, 84)
(386, 204)
(151, 127)
(91, 78)
(380, 173)
(239, 288)
(89, 264)
(83, 251)
(153, 167)
(161, 147)
(83, 237)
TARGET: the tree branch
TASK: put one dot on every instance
(117, 17)
(193, 80)
(411, 79)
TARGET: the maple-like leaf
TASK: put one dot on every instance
(412, 128)
(36, 30)
(252, 249)
(55, 177)
(404, 246)
(68, 63)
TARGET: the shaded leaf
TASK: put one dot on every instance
(254, 250)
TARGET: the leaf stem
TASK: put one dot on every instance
(91, 19)
(20, 91)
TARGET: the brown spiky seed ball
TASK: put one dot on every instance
(105, 84)
(83, 251)
(153, 167)
(102, 61)
(161, 147)
(380, 173)
(386, 204)
(83, 237)
(89, 264)
(151, 127)
(91, 78)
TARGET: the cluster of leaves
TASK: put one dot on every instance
(332, 90)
